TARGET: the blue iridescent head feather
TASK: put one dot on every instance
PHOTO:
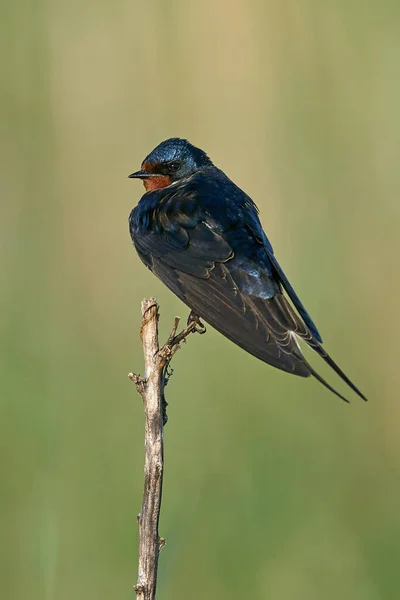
(181, 154)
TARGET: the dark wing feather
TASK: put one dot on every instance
(179, 237)
(261, 238)
(294, 297)
(254, 324)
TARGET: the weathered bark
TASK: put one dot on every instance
(151, 388)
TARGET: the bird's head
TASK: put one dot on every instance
(171, 161)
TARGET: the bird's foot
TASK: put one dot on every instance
(194, 321)
(194, 325)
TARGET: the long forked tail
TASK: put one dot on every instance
(323, 354)
(339, 371)
(304, 332)
(326, 384)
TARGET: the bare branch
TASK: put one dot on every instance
(151, 388)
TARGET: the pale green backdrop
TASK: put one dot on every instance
(274, 488)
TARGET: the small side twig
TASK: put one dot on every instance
(151, 388)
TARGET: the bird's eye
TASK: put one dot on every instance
(173, 166)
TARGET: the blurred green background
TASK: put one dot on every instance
(274, 488)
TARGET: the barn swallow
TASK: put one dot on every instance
(201, 235)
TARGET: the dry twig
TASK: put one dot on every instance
(151, 388)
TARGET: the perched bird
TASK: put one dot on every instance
(201, 235)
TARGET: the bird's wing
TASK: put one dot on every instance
(240, 296)
(259, 235)
(293, 296)
(193, 258)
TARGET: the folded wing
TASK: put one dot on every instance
(240, 295)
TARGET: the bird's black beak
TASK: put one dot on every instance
(142, 174)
